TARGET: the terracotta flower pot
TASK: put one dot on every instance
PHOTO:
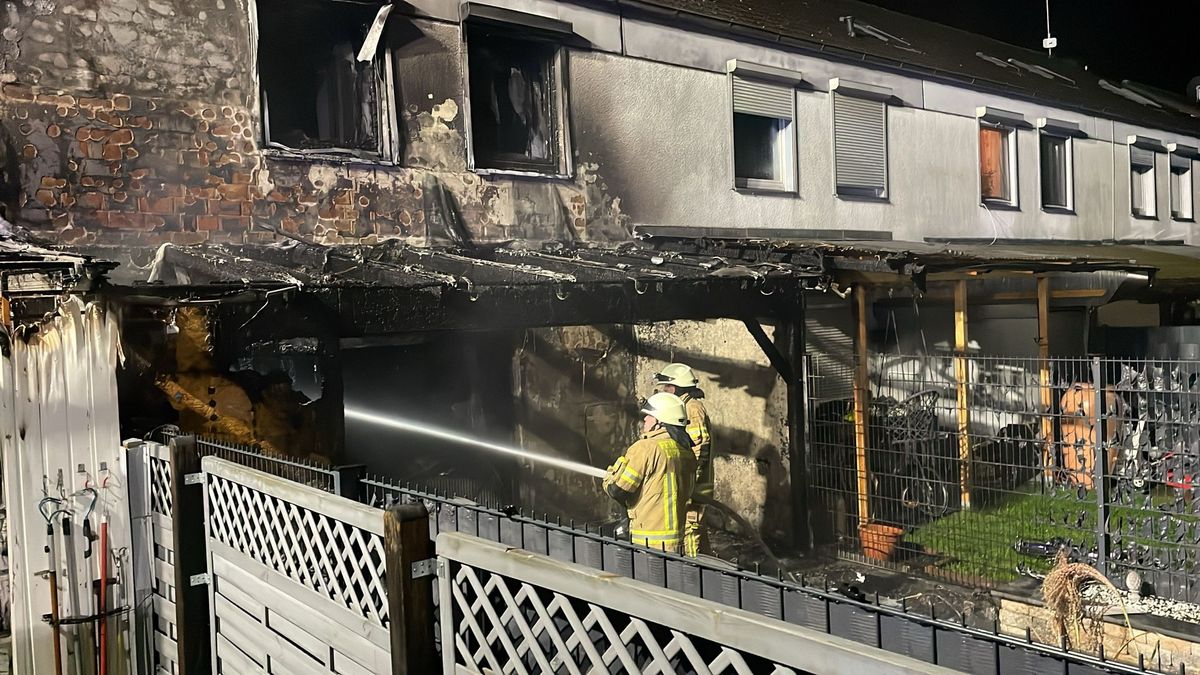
(879, 541)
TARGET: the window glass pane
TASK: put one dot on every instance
(1176, 193)
(1137, 195)
(1142, 193)
(993, 163)
(512, 89)
(1181, 193)
(315, 94)
(1054, 171)
(757, 147)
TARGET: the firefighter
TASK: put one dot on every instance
(653, 479)
(679, 379)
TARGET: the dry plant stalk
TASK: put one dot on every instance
(1062, 590)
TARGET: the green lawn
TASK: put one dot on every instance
(980, 542)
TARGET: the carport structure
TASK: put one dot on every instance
(392, 293)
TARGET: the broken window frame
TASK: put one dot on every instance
(387, 149)
(530, 28)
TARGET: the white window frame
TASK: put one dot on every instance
(1069, 158)
(1068, 131)
(565, 169)
(883, 95)
(1010, 123)
(1149, 179)
(1188, 154)
(786, 162)
(387, 151)
(1010, 149)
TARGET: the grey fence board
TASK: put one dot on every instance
(296, 576)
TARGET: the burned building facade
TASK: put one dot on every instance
(136, 123)
(231, 121)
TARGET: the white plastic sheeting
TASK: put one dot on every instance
(58, 414)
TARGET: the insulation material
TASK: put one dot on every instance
(58, 413)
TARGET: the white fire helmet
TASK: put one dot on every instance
(666, 408)
(678, 374)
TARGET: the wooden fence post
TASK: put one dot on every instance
(962, 376)
(410, 590)
(191, 558)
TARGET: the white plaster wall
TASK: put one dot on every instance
(660, 135)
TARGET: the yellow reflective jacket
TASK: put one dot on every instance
(659, 473)
(697, 428)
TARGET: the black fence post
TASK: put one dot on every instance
(191, 558)
(798, 437)
(347, 480)
(1100, 466)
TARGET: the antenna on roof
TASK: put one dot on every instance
(1050, 42)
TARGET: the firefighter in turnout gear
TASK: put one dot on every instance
(678, 379)
(653, 479)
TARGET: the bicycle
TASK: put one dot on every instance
(907, 426)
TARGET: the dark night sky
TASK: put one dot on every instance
(1150, 41)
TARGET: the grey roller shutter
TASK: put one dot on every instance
(1141, 157)
(860, 143)
(753, 97)
(1179, 163)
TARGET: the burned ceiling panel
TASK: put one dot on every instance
(394, 287)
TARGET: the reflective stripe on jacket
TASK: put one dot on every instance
(697, 428)
(659, 473)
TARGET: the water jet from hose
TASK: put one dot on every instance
(400, 424)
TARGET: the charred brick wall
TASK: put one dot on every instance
(137, 120)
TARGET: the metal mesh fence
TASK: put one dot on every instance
(983, 468)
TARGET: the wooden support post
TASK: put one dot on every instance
(1045, 394)
(410, 600)
(961, 378)
(861, 382)
(191, 558)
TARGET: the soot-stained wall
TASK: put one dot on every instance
(578, 389)
(747, 408)
(578, 400)
(138, 120)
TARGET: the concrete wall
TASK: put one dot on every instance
(139, 120)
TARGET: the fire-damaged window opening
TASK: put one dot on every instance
(517, 98)
(317, 96)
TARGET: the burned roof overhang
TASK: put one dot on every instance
(914, 260)
(391, 287)
(32, 276)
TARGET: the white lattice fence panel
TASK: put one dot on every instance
(164, 632)
(338, 560)
(505, 625)
(160, 485)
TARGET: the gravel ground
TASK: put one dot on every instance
(1171, 609)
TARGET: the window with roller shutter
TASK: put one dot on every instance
(1182, 190)
(860, 146)
(1143, 196)
(763, 135)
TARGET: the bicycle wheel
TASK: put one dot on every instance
(924, 491)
